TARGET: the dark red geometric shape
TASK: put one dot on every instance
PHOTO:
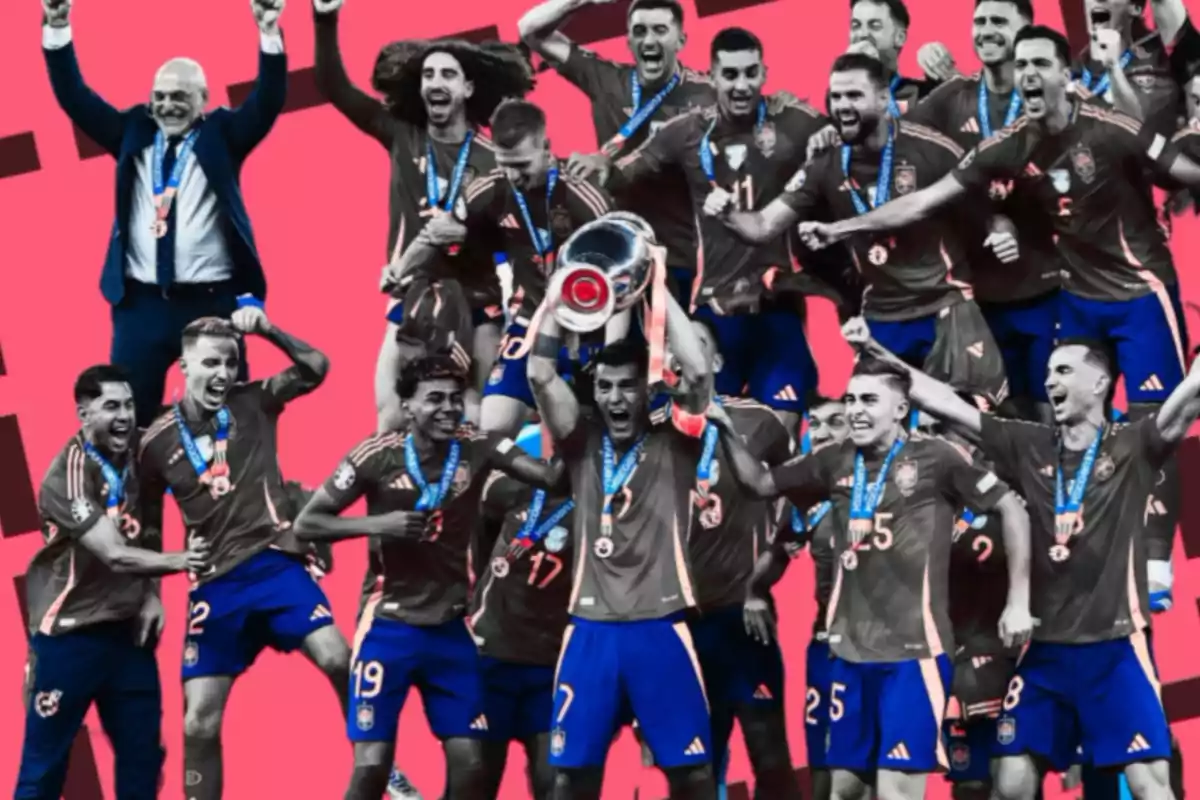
(18, 155)
(488, 33)
(596, 23)
(709, 8)
(18, 504)
(1075, 21)
(86, 148)
(1182, 699)
(301, 91)
(1189, 505)
(83, 778)
(2, 370)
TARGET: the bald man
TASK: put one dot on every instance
(181, 245)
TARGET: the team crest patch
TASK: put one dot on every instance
(191, 654)
(906, 477)
(765, 139)
(1105, 467)
(980, 522)
(960, 757)
(500, 567)
(556, 539)
(1084, 164)
(735, 156)
(81, 509)
(1060, 179)
(560, 222)
(46, 703)
(1145, 82)
(364, 717)
(905, 180)
(343, 479)
(558, 741)
(967, 160)
(1006, 730)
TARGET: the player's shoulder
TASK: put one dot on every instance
(954, 85)
(1188, 133)
(373, 446)
(483, 140)
(1108, 119)
(784, 104)
(498, 487)
(65, 475)
(928, 136)
(694, 79)
(1009, 133)
(752, 415)
(589, 193)
(158, 433)
(940, 449)
(485, 186)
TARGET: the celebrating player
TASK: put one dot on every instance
(216, 450)
(518, 615)
(1087, 678)
(422, 490)
(827, 425)
(631, 101)
(913, 300)
(879, 28)
(627, 647)
(94, 613)
(890, 676)
(742, 149)
(437, 97)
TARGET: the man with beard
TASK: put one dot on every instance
(891, 673)
(913, 298)
(827, 426)
(437, 96)
(1018, 299)
(182, 246)
(94, 609)
(879, 28)
(630, 102)
(422, 490)
(741, 150)
(518, 615)
(628, 650)
(1088, 679)
(216, 452)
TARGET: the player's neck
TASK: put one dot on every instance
(193, 411)
(1080, 435)
(1058, 118)
(452, 132)
(877, 139)
(623, 446)
(116, 459)
(741, 121)
(426, 445)
(999, 77)
(1127, 36)
(659, 82)
(880, 447)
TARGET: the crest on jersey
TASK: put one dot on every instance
(558, 741)
(960, 757)
(205, 445)
(364, 716)
(560, 222)
(765, 139)
(980, 522)
(735, 156)
(906, 477)
(81, 509)
(500, 567)
(462, 478)
(796, 182)
(905, 180)
(1105, 467)
(1083, 164)
(556, 539)
(1060, 179)
(1006, 730)
(191, 654)
(46, 703)
(343, 479)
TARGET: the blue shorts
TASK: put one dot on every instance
(818, 664)
(764, 355)
(1025, 332)
(970, 746)
(390, 657)
(510, 377)
(611, 671)
(1147, 335)
(98, 664)
(269, 600)
(888, 715)
(910, 340)
(517, 698)
(1103, 697)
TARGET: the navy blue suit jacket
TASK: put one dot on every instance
(227, 136)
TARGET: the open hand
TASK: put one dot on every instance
(582, 166)
(759, 619)
(327, 6)
(442, 229)
(937, 63)
(1106, 47)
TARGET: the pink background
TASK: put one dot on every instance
(316, 190)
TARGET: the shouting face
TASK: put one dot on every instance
(620, 391)
(1041, 76)
(179, 95)
(108, 419)
(1076, 385)
(210, 367)
(875, 407)
(856, 104)
(444, 88)
(875, 32)
(655, 39)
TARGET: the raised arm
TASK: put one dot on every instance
(102, 123)
(1176, 415)
(516, 463)
(539, 26)
(556, 403)
(309, 365)
(251, 121)
(750, 473)
(1169, 19)
(365, 112)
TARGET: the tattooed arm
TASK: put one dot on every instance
(309, 365)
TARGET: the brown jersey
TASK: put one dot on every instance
(1091, 182)
(408, 147)
(494, 219)
(67, 588)
(890, 595)
(734, 528)
(424, 581)
(748, 159)
(1148, 66)
(519, 607)
(257, 512)
(909, 273)
(644, 571)
(1099, 592)
(610, 87)
(820, 523)
(978, 583)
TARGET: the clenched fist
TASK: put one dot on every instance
(936, 61)
(250, 319)
(1106, 47)
(327, 6)
(56, 13)
(266, 14)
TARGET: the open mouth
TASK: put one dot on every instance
(438, 100)
(119, 433)
(215, 391)
(653, 59)
(1101, 18)
(619, 417)
(1058, 398)
(1033, 94)
(741, 100)
(990, 40)
(446, 423)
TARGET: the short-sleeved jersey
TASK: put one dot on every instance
(978, 583)
(1099, 592)
(257, 512)
(890, 599)
(909, 273)
(1091, 182)
(68, 588)
(732, 528)
(494, 219)
(425, 581)
(519, 607)
(648, 574)
(609, 86)
(751, 162)
(1153, 77)
(909, 92)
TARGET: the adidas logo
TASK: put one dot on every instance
(320, 612)
(480, 723)
(1138, 745)
(976, 349)
(1154, 507)
(1151, 384)
(763, 693)
(787, 394)
(899, 753)
(970, 126)
(1032, 171)
(510, 221)
(696, 748)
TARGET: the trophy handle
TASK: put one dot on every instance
(655, 324)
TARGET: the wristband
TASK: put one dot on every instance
(250, 301)
(692, 425)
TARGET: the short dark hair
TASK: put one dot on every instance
(892, 373)
(215, 327)
(1062, 48)
(1024, 7)
(515, 120)
(855, 62)
(428, 368)
(896, 8)
(815, 400)
(90, 383)
(674, 6)
(1097, 353)
(626, 351)
(734, 40)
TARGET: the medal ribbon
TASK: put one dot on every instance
(456, 177)
(114, 479)
(1102, 85)
(220, 465)
(883, 183)
(985, 115)
(164, 193)
(540, 245)
(865, 499)
(641, 114)
(893, 106)
(431, 495)
(801, 522)
(1067, 503)
(531, 532)
(615, 477)
(965, 520)
(706, 155)
(707, 453)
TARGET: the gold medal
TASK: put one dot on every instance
(160, 228)
(1059, 553)
(603, 548)
(877, 255)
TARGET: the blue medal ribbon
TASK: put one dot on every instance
(1102, 85)
(532, 532)
(114, 479)
(865, 499)
(1068, 501)
(985, 111)
(802, 523)
(707, 454)
(432, 195)
(615, 477)
(706, 155)
(164, 191)
(641, 113)
(893, 106)
(883, 183)
(541, 246)
(432, 496)
(216, 476)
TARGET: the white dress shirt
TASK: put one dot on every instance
(201, 251)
